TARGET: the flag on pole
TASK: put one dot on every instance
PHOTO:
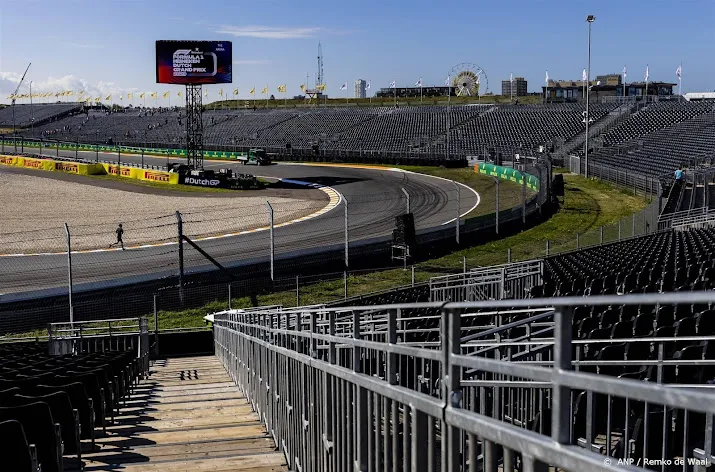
(265, 90)
(178, 94)
(583, 76)
(253, 91)
(141, 95)
(419, 83)
(367, 87)
(130, 96)
(344, 86)
(235, 91)
(206, 93)
(392, 84)
(321, 87)
(646, 73)
(547, 77)
(679, 71)
(624, 73)
(108, 97)
(220, 92)
(282, 88)
(302, 88)
(446, 81)
(511, 77)
(166, 95)
(121, 97)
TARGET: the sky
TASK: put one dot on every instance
(107, 46)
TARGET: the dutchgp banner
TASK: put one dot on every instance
(507, 173)
(194, 62)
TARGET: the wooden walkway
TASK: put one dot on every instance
(188, 415)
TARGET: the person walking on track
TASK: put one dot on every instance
(120, 233)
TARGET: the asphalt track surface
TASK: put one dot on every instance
(374, 197)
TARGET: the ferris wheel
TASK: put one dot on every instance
(469, 80)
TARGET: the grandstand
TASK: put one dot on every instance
(410, 130)
(25, 115)
(659, 137)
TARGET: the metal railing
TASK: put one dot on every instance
(370, 388)
(488, 283)
(695, 218)
(120, 334)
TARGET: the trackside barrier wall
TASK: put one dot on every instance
(64, 146)
(507, 173)
(340, 389)
(92, 169)
(51, 165)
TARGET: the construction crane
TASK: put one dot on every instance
(13, 97)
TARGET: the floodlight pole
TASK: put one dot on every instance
(589, 19)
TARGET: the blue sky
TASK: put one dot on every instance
(107, 46)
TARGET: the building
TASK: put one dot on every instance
(414, 92)
(360, 90)
(610, 79)
(517, 87)
(603, 88)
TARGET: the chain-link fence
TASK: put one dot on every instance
(265, 252)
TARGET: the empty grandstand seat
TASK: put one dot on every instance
(41, 430)
(62, 413)
(17, 454)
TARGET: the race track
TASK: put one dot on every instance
(374, 197)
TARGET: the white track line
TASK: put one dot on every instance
(479, 199)
(336, 198)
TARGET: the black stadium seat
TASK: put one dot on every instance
(41, 430)
(17, 454)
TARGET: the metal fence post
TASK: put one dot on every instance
(578, 241)
(76, 150)
(561, 417)
(180, 238)
(96, 152)
(69, 272)
(496, 213)
(548, 247)
(508, 255)
(361, 396)
(452, 395)
(270, 222)
(407, 197)
(601, 234)
(347, 240)
(413, 275)
(523, 197)
(345, 283)
(464, 264)
(634, 224)
(156, 327)
(143, 158)
(57, 148)
(619, 230)
(459, 205)
(229, 296)
(297, 290)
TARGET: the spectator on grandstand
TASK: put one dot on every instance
(679, 173)
(120, 234)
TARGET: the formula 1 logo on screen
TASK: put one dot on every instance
(188, 63)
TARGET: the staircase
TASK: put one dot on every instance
(615, 117)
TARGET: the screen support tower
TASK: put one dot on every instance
(194, 128)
